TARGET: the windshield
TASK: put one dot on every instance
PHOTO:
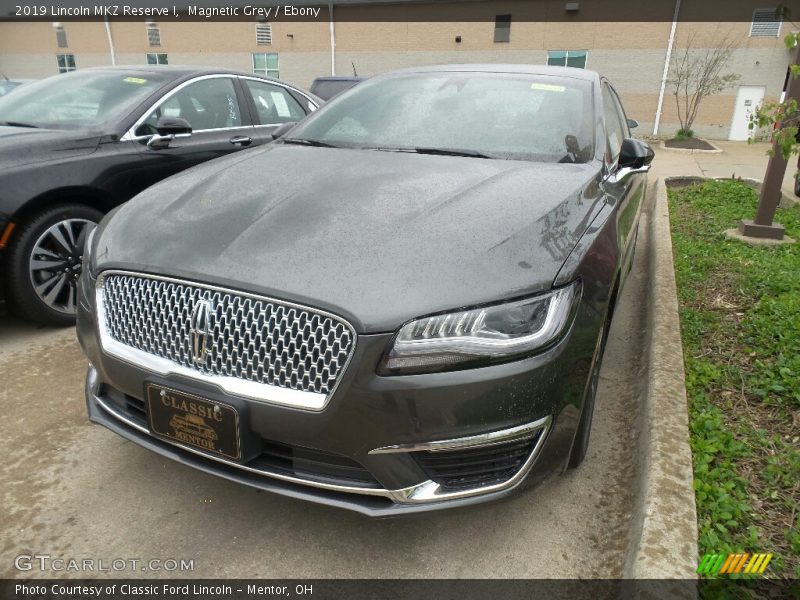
(510, 116)
(79, 99)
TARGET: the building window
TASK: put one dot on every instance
(153, 34)
(157, 58)
(266, 63)
(765, 23)
(66, 62)
(502, 28)
(61, 37)
(567, 58)
(263, 33)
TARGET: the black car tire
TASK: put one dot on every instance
(19, 289)
(797, 185)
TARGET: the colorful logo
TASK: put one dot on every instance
(743, 562)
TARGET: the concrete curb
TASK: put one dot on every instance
(716, 149)
(664, 544)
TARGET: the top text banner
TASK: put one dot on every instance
(580, 11)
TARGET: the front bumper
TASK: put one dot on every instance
(369, 449)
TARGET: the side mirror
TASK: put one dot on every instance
(282, 130)
(635, 157)
(168, 129)
(635, 154)
(633, 123)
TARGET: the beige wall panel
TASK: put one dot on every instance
(520, 10)
(301, 68)
(82, 37)
(221, 36)
(630, 72)
(84, 60)
(27, 65)
(41, 37)
(709, 34)
(308, 36)
(641, 107)
(437, 36)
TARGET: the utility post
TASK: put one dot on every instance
(763, 226)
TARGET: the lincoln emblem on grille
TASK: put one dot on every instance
(201, 329)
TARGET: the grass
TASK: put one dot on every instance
(740, 323)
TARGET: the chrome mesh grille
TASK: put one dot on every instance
(254, 339)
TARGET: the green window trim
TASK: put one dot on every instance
(65, 62)
(567, 58)
(266, 63)
(157, 58)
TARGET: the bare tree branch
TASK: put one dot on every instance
(697, 73)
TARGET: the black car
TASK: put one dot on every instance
(74, 146)
(412, 315)
(328, 87)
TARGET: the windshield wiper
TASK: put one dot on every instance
(18, 124)
(304, 142)
(453, 152)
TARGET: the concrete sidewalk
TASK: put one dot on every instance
(740, 159)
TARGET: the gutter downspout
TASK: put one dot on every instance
(666, 67)
(110, 42)
(333, 39)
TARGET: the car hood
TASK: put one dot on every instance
(20, 146)
(377, 237)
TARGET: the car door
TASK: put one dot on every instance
(627, 192)
(213, 105)
(272, 105)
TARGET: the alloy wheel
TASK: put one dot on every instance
(56, 263)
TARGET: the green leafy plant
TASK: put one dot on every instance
(740, 326)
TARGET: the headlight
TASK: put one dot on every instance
(482, 335)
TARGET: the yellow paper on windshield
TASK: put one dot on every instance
(547, 87)
(135, 80)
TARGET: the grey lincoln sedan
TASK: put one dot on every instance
(399, 305)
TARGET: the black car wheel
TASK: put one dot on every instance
(797, 185)
(44, 262)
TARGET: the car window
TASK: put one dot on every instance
(205, 104)
(615, 129)
(273, 103)
(80, 99)
(510, 116)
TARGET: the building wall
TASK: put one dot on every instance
(631, 55)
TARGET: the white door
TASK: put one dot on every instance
(748, 98)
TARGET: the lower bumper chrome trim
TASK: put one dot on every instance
(482, 439)
(425, 492)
